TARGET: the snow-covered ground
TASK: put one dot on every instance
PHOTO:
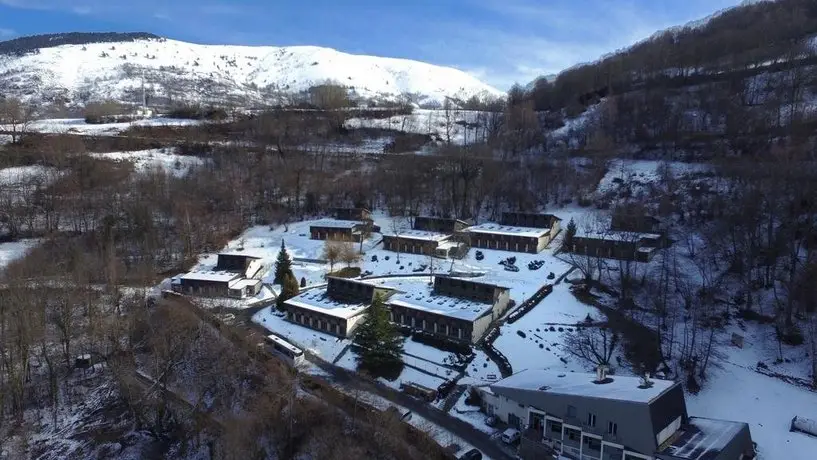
(79, 126)
(10, 252)
(462, 126)
(326, 346)
(734, 392)
(471, 415)
(542, 345)
(26, 175)
(109, 70)
(154, 159)
(643, 172)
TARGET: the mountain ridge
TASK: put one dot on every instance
(78, 68)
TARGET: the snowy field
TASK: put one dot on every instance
(409, 374)
(542, 347)
(471, 415)
(10, 252)
(154, 159)
(733, 392)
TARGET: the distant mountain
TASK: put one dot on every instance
(78, 68)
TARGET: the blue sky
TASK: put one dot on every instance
(499, 41)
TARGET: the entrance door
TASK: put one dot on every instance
(513, 421)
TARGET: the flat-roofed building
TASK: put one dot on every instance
(359, 214)
(216, 284)
(336, 230)
(439, 224)
(337, 309)
(578, 415)
(517, 232)
(619, 245)
(456, 309)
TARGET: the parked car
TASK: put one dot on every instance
(491, 421)
(510, 436)
(473, 454)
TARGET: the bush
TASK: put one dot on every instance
(346, 272)
(303, 282)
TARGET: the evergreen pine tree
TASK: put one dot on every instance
(283, 265)
(381, 344)
(570, 232)
(289, 289)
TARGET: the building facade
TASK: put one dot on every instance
(593, 417)
(336, 230)
(532, 220)
(439, 224)
(635, 247)
(360, 214)
(515, 239)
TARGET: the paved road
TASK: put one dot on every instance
(454, 425)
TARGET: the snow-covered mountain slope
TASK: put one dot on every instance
(178, 71)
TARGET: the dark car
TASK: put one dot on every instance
(472, 454)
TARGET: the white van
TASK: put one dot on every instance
(510, 436)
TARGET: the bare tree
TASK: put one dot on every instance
(16, 116)
(331, 252)
(595, 345)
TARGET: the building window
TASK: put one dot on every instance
(592, 443)
(556, 428)
(612, 428)
(571, 411)
(591, 419)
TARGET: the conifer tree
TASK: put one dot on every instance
(381, 344)
(283, 265)
(289, 289)
(570, 232)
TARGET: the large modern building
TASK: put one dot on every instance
(336, 310)
(235, 275)
(598, 417)
(456, 309)
(517, 232)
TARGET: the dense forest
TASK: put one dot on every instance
(31, 44)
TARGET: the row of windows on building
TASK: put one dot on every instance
(508, 246)
(437, 328)
(315, 323)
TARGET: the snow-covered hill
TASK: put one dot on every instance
(184, 71)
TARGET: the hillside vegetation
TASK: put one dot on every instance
(737, 81)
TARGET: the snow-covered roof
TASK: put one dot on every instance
(216, 277)
(318, 301)
(418, 295)
(243, 283)
(703, 438)
(615, 235)
(509, 230)
(335, 223)
(621, 388)
(422, 235)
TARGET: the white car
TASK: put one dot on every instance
(510, 436)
